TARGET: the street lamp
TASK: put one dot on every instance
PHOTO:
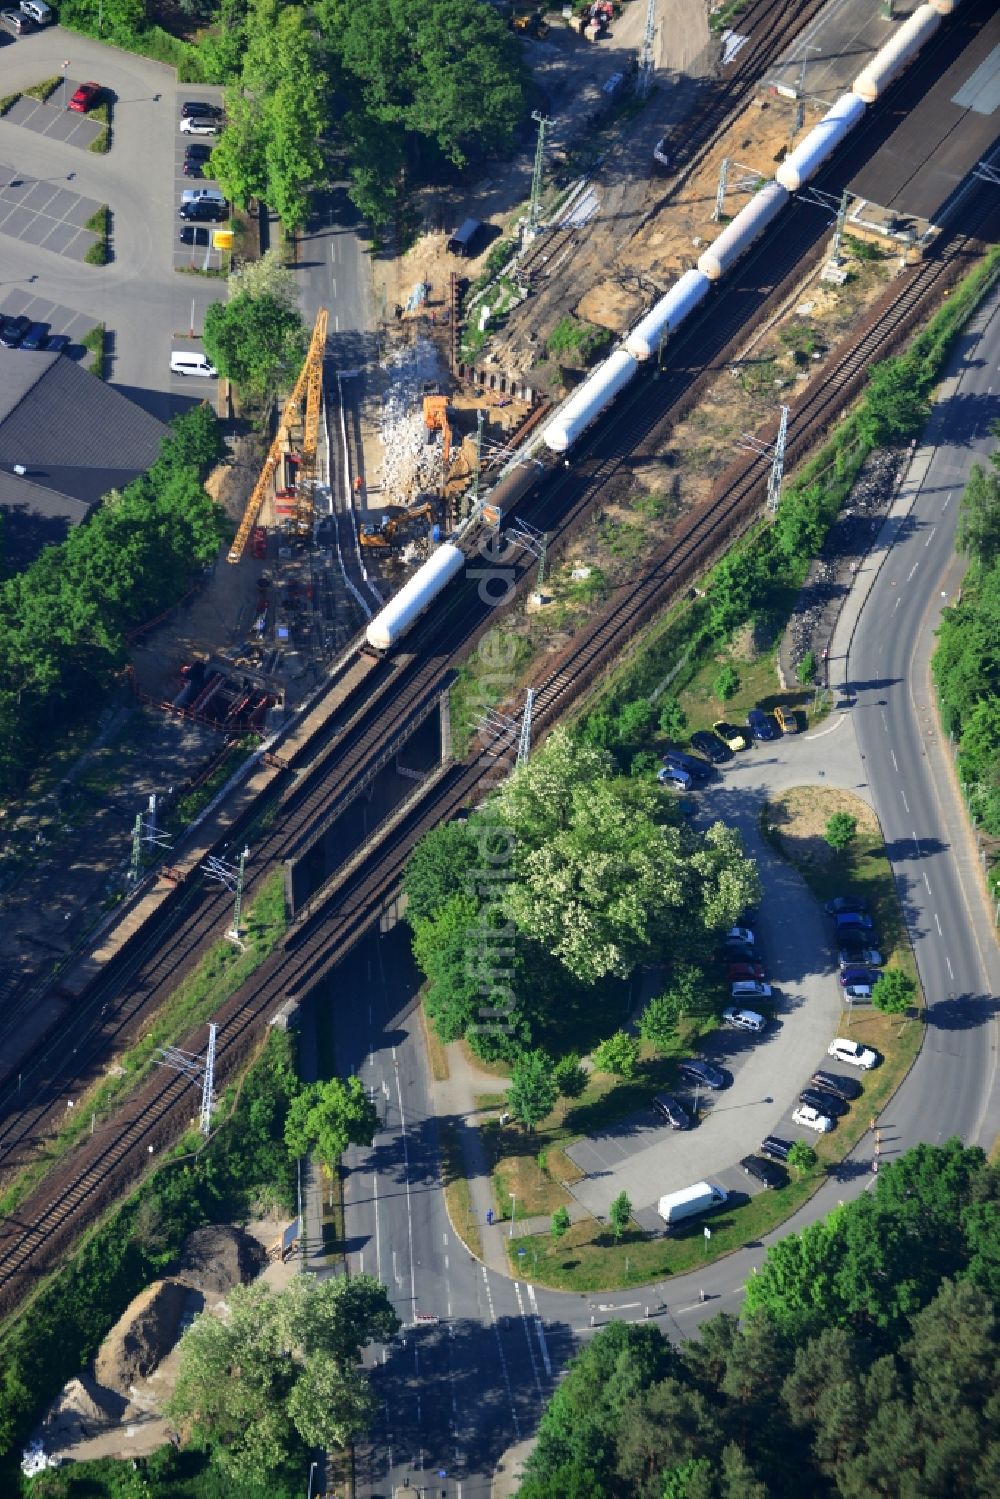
(312, 1469)
(513, 1208)
(63, 66)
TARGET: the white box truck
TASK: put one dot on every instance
(675, 1206)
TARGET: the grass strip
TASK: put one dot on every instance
(457, 1195)
(219, 974)
(96, 342)
(45, 89)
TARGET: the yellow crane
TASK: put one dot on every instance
(309, 384)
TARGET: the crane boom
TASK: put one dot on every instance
(309, 381)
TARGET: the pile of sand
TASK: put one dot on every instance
(143, 1335)
(218, 1257)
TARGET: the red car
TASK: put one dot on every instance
(86, 97)
(737, 971)
(258, 542)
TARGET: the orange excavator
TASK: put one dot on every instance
(385, 534)
(436, 420)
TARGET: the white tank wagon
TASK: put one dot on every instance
(404, 609)
(823, 139)
(586, 404)
(667, 315)
(747, 227)
(944, 7)
(901, 48)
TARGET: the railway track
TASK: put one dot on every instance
(42, 1225)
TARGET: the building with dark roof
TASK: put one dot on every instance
(66, 438)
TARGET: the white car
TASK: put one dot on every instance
(199, 127)
(740, 934)
(673, 775)
(811, 1118)
(853, 1052)
(203, 195)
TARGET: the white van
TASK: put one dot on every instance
(184, 363)
(37, 11)
(749, 989)
(744, 1020)
(203, 195)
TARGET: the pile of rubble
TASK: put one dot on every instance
(410, 463)
(812, 622)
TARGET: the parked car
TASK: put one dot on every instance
(195, 109)
(749, 989)
(744, 1020)
(774, 1148)
(853, 921)
(204, 195)
(85, 97)
(856, 939)
(731, 736)
(191, 234)
(58, 343)
(787, 722)
(672, 775)
(36, 336)
(741, 934)
(764, 1171)
(198, 151)
(857, 991)
(199, 125)
(810, 1118)
(202, 213)
(843, 1049)
(762, 725)
(37, 11)
(695, 768)
(854, 974)
(669, 1109)
(823, 1102)
(16, 22)
(741, 952)
(695, 1070)
(870, 957)
(711, 747)
(13, 329)
(744, 970)
(844, 1087)
(842, 903)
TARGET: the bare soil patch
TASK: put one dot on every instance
(801, 814)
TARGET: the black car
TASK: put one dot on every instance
(764, 1171)
(697, 1071)
(36, 336)
(197, 151)
(669, 1109)
(762, 725)
(202, 213)
(843, 903)
(695, 767)
(856, 939)
(844, 1087)
(711, 747)
(741, 952)
(190, 235)
(58, 343)
(775, 1149)
(194, 110)
(13, 329)
(194, 168)
(823, 1102)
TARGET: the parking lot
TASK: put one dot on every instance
(47, 214)
(54, 120)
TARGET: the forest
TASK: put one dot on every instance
(865, 1364)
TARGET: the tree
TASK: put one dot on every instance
(979, 517)
(266, 277)
(727, 683)
(841, 829)
(256, 342)
(560, 1223)
(533, 1092)
(617, 1054)
(442, 864)
(635, 721)
(801, 1157)
(280, 1366)
(893, 992)
(660, 1018)
(620, 1214)
(571, 1079)
(673, 719)
(326, 1117)
(806, 669)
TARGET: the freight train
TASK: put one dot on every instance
(649, 335)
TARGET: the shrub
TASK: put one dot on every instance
(618, 1054)
(570, 1076)
(727, 683)
(97, 253)
(806, 669)
(841, 829)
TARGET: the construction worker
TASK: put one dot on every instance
(357, 484)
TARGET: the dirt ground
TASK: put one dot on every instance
(801, 815)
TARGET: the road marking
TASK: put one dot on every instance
(950, 969)
(895, 766)
(937, 921)
(916, 845)
(927, 883)
(503, 1356)
(540, 1330)
(336, 322)
(333, 283)
(903, 795)
(527, 1337)
(946, 504)
(378, 1246)
(913, 569)
(823, 732)
(930, 538)
(406, 1168)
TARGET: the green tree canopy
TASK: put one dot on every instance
(533, 1090)
(893, 991)
(617, 1054)
(326, 1117)
(257, 342)
(280, 1368)
(841, 830)
(979, 517)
